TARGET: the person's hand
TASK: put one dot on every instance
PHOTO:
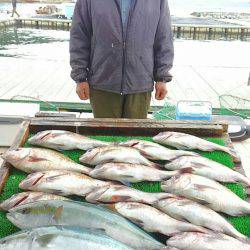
(160, 90)
(82, 90)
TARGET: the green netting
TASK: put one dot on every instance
(242, 224)
(234, 105)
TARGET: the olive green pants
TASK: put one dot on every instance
(112, 105)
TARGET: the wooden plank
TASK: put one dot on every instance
(19, 141)
(127, 127)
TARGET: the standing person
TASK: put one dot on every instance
(14, 11)
(120, 49)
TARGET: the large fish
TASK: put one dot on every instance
(82, 214)
(201, 241)
(188, 142)
(115, 154)
(117, 193)
(61, 183)
(58, 237)
(208, 168)
(32, 160)
(155, 151)
(126, 172)
(187, 210)
(153, 220)
(27, 197)
(207, 192)
(64, 140)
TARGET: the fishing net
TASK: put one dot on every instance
(234, 105)
(167, 112)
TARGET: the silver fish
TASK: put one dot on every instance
(154, 151)
(117, 193)
(208, 168)
(126, 172)
(61, 183)
(188, 142)
(64, 140)
(59, 237)
(32, 160)
(207, 192)
(115, 154)
(153, 220)
(82, 214)
(27, 197)
(187, 210)
(201, 241)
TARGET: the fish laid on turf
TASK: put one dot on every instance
(155, 151)
(61, 183)
(153, 220)
(64, 140)
(208, 168)
(187, 210)
(58, 238)
(117, 193)
(32, 160)
(207, 192)
(201, 241)
(185, 142)
(82, 214)
(115, 154)
(126, 172)
(27, 197)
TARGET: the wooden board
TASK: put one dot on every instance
(19, 141)
(126, 127)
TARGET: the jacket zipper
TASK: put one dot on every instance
(124, 38)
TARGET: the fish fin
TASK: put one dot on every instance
(126, 183)
(53, 178)
(137, 221)
(203, 187)
(55, 191)
(146, 155)
(188, 170)
(36, 159)
(58, 213)
(120, 198)
(44, 240)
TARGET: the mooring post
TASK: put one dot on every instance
(242, 34)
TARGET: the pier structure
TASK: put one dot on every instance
(186, 31)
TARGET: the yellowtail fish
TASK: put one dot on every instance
(82, 214)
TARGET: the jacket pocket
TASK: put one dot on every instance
(147, 61)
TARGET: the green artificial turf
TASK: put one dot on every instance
(242, 224)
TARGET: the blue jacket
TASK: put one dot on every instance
(100, 55)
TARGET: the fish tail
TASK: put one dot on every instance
(246, 208)
(233, 153)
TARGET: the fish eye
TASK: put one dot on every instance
(25, 211)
